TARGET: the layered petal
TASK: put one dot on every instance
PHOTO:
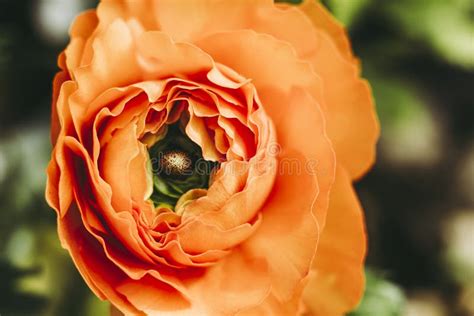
(249, 53)
(336, 282)
(352, 123)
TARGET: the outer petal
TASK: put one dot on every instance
(81, 30)
(336, 282)
(239, 281)
(199, 19)
(59, 79)
(352, 122)
(99, 273)
(236, 282)
(323, 20)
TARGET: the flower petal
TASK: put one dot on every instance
(237, 282)
(336, 282)
(350, 111)
(323, 20)
(289, 226)
(99, 273)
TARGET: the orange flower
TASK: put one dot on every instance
(271, 95)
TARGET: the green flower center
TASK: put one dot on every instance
(178, 166)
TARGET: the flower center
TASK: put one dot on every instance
(178, 166)
(175, 164)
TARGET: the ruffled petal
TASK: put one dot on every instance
(81, 30)
(238, 282)
(59, 79)
(289, 226)
(350, 111)
(336, 282)
(101, 275)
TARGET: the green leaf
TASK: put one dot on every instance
(346, 11)
(381, 298)
(447, 26)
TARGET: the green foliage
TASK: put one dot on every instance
(397, 102)
(347, 11)
(381, 298)
(447, 26)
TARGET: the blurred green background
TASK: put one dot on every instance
(419, 198)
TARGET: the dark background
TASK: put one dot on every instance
(419, 198)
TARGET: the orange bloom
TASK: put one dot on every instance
(271, 92)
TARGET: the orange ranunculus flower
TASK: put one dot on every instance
(268, 98)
